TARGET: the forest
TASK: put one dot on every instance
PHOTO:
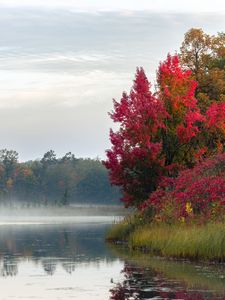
(54, 181)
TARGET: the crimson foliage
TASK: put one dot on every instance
(197, 191)
(162, 133)
(135, 160)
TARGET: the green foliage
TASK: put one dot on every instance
(54, 181)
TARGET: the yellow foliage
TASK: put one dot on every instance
(189, 208)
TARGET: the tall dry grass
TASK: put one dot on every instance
(205, 242)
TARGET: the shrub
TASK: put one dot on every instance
(197, 192)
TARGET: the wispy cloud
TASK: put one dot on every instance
(19, 60)
(42, 89)
(60, 69)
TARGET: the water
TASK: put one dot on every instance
(163, 280)
(68, 259)
(39, 260)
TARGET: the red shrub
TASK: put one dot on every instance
(197, 191)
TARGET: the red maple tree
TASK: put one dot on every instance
(159, 134)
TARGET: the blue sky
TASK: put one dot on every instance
(62, 62)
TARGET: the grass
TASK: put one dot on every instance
(122, 230)
(195, 242)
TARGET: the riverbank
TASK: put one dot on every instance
(195, 242)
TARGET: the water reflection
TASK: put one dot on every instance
(156, 278)
(8, 267)
(50, 246)
(48, 262)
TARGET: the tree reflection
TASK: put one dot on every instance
(146, 283)
(69, 267)
(49, 266)
(8, 267)
(52, 246)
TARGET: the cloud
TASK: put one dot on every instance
(60, 69)
(43, 89)
(64, 60)
(90, 5)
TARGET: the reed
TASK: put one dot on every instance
(205, 242)
(121, 231)
(195, 242)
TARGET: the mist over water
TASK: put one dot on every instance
(61, 215)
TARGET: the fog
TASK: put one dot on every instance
(76, 213)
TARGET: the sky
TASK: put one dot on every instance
(62, 62)
(159, 5)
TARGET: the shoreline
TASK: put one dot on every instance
(192, 242)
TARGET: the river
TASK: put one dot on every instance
(65, 259)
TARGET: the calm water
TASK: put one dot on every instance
(70, 260)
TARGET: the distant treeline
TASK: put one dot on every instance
(54, 181)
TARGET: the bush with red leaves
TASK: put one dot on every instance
(195, 192)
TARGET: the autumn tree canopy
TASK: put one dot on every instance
(135, 160)
(204, 55)
(158, 133)
(172, 129)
